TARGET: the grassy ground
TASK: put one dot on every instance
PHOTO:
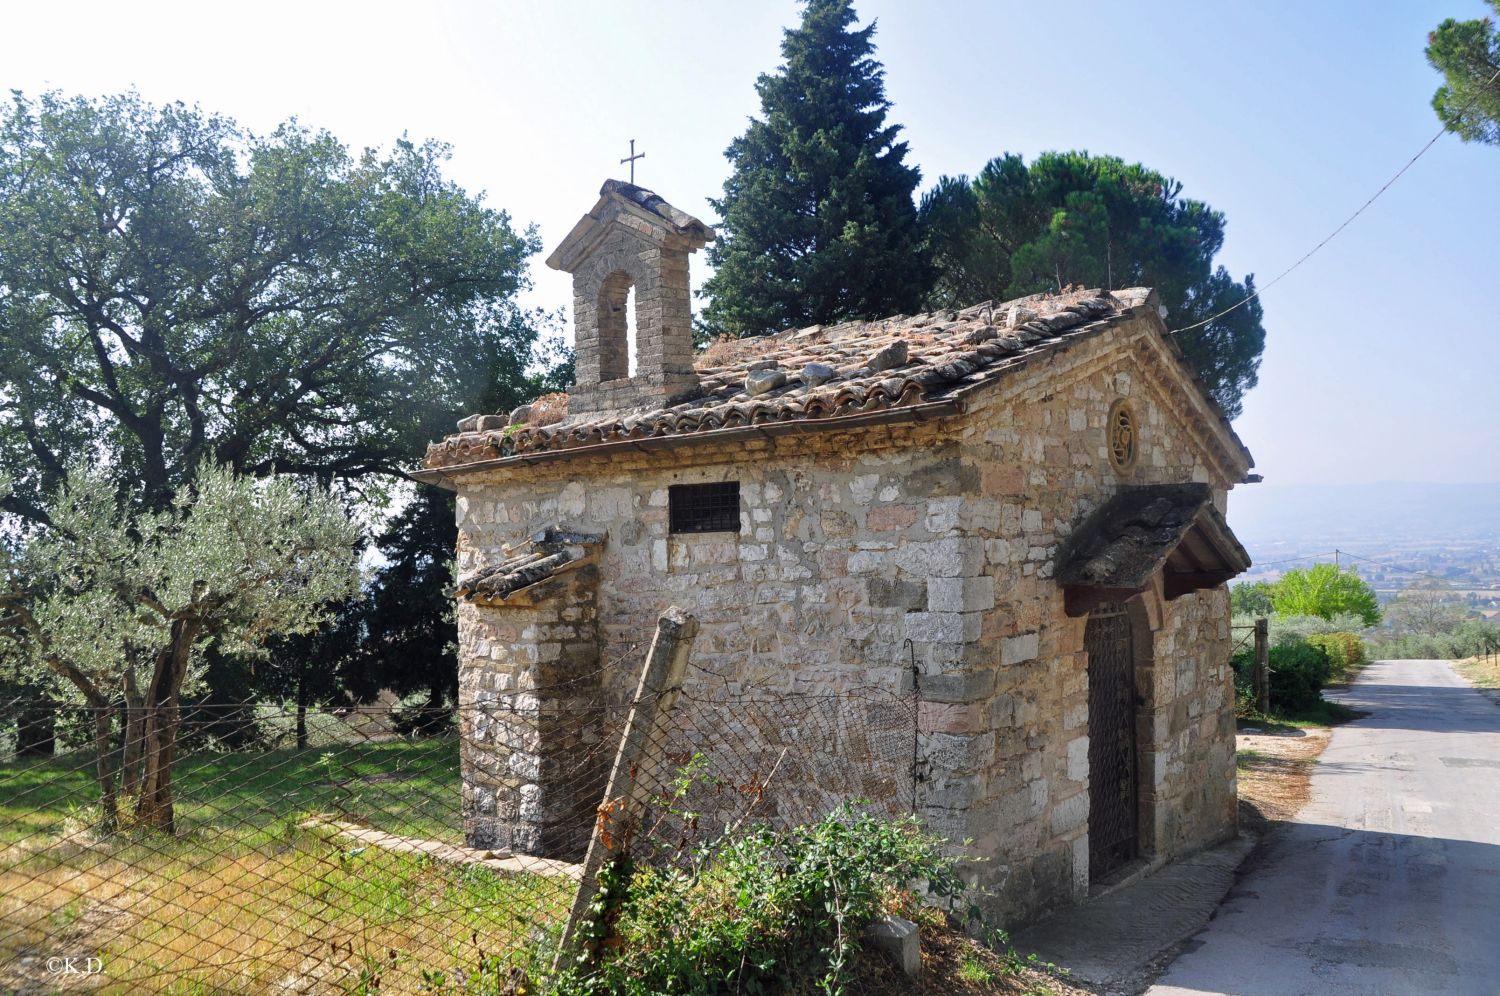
(413, 785)
(1481, 672)
(243, 901)
(1324, 714)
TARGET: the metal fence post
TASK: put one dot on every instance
(1263, 665)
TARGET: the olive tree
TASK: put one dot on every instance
(119, 605)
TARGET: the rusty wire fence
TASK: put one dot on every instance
(354, 850)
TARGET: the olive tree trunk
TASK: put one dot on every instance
(134, 722)
(109, 807)
(163, 716)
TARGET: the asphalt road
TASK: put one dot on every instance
(1389, 881)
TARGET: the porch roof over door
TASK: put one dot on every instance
(1172, 528)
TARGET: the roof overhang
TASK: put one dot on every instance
(523, 577)
(1173, 530)
(447, 477)
(654, 218)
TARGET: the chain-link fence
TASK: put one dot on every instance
(357, 849)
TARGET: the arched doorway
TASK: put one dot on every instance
(1114, 831)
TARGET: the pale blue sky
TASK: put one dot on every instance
(1383, 351)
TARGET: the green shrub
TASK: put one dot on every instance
(1290, 629)
(1243, 664)
(1346, 653)
(1299, 672)
(767, 911)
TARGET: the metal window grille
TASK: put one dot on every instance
(704, 508)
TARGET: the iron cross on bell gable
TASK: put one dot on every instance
(631, 160)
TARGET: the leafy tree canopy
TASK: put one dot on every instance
(398, 634)
(1467, 53)
(1251, 598)
(1096, 221)
(175, 290)
(1325, 591)
(111, 602)
(818, 220)
(1429, 607)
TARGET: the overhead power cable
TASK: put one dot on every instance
(1308, 255)
(1335, 554)
(1294, 560)
(1457, 582)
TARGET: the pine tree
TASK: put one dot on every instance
(1097, 221)
(1467, 53)
(818, 219)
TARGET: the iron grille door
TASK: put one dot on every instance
(1112, 749)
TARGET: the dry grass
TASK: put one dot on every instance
(1275, 763)
(1481, 672)
(548, 409)
(305, 917)
(244, 900)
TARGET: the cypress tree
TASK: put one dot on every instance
(818, 220)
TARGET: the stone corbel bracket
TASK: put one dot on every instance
(534, 574)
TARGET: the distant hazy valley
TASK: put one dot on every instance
(1448, 530)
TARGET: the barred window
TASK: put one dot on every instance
(704, 508)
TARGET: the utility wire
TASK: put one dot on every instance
(1459, 582)
(1293, 560)
(1409, 163)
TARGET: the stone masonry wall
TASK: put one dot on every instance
(655, 265)
(1016, 758)
(534, 747)
(846, 543)
(945, 534)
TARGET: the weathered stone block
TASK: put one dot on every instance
(1020, 649)
(909, 595)
(970, 686)
(1078, 759)
(961, 594)
(1070, 814)
(949, 717)
(898, 939)
(942, 627)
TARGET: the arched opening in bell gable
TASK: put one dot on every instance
(617, 327)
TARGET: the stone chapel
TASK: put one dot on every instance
(1032, 493)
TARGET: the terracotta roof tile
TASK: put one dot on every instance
(545, 555)
(895, 362)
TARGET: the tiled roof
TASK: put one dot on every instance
(545, 555)
(812, 374)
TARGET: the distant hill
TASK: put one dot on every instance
(1452, 530)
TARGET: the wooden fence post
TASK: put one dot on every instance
(641, 744)
(1263, 665)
